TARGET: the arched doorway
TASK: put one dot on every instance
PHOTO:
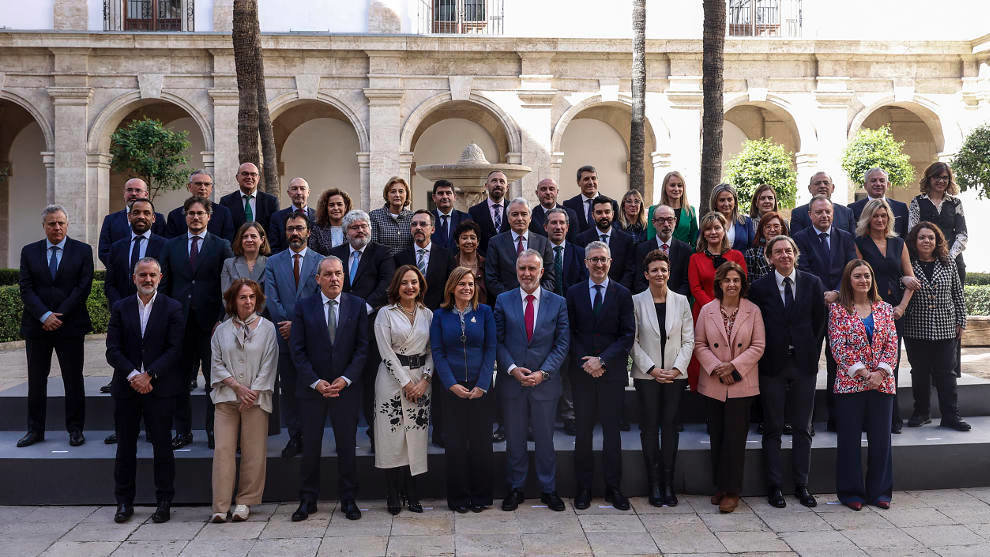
(23, 180)
(758, 121)
(921, 132)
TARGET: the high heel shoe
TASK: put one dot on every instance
(412, 495)
(393, 504)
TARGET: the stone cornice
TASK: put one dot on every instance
(384, 97)
(224, 97)
(78, 96)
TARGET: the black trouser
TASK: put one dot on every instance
(196, 355)
(789, 394)
(343, 411)
(961, 267)
(69, 350)
(932, 362)
(565, 405)
(436, 408)
(867, 411)
(596, 398)
(468, 433)
(830, 370)
(728, 424)
(658, 405)
(368, 379)
(895, 415)
(287, 385)
(157, 415)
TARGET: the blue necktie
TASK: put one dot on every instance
(355, 257)
(826, 252)
(590, 218)
(558, 268)
(444, 230)
(136, 252)
(597, 306)
(53, 262)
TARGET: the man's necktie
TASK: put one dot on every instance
(421, 260)
(444, 230)
(194, 252)
(597, 306)
(788, 293)
(825, 249)
(248, 213)
(589, 215)
(136, 252)
(355, 260)
(519, 245)
(295, 267)
(604, 238)
(53, 261)
(498, 218)
(529, 316)
(331, 320)
(666, 249)
(558, 269)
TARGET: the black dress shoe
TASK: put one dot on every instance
(805, 496)
(513, 500)
(305, 509)
(292, 448)
(163, 513)
(192, 385)
(618, 500)
(105, 389)
(956, 424)
(583, 499)
(918, 421)
(110, 439)
(350, 509)
(76, 438)
(552, 501)
(211, 441)
(124, 513)
(499, 434)
(438, 441)
(477, 508)
(896, 428)
(462, 509)
(776, 498)
(788, 429)
(830, 427)
(30, 438)
(760, 428)
(570, 428)
(811, 430)
(624, 425)
(181, 440)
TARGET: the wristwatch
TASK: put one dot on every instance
(545, 375)
(602, 362)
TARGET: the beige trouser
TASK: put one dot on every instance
(253, 427)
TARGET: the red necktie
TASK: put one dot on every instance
(295, 268)
(529, 316)
(519, 246)
(194, 252)
(666, 249)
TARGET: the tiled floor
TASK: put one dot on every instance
(946, 523)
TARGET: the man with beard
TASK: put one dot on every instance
(504, 248)
(445, 217)
(821, 184)
(298, 191)
(144, 339)
(490, 213)
(221, 222)
(116, 226)
(546, 191)
(247, 204)
(290, 275)
(679, 253)
(619, 243)
(432, 259)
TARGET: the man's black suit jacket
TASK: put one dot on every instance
(680, 255)
(842, 217)
(438, 268)
(374, 273)
(65, 294)
(221, 223)
(801, 326)
(608, 335)
(197, 288)
(119, 283)
(265, 205)
(577, 205)
(623, 252)
(480, 214)
(158, 351)
(276, 228)
(842, 250)
(116, 226)
(314, 356)
(449, 242)
(539, 220)
(899, 208)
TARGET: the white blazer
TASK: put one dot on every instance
(679, 327)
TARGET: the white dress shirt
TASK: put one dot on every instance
(252, 201)
(780, 283)
(189, 237)
(144, 312)
(501, 210)
(143, 248)
(525, 239)
(828, 238)
(592, 290)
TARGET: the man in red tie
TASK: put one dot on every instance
(533, 338)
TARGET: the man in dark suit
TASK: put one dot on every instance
(875, 183)
(445, 217)
(191, 266)
(664, 221)
(500, 259)
(290, 275)
(793, 306)
(569, 268)
(600, 313)
(825, 251)
(368, 270)
(619, 243)
(116, 225)
(329, 343)
(821, 184)
(490, 213)
(299, 194)
(433, 260)
(533, 336)
(144, 338)
(581, 204)
(546, 191)
(56, 275)
(247, 204)
(221, 223)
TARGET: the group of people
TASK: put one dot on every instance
(506, 313)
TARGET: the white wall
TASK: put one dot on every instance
(204, 16)
(442, 143)
(323, 152)
(36, 14)
(335, 16)
(589, 141)
(27, 193)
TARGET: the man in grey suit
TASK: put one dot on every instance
(504, 248)
(290, 275)
(533, 338)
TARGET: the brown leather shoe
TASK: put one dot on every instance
(717, 498)
(728, 503)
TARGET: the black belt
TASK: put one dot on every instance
(412, 362)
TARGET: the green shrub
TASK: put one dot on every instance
(11, 309)
(977, 299)
(977, 278)
(762, 161)
(877, 148)
(11, 276)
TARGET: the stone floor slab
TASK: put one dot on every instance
(420, 545)
(372, 523)
(732, 522)
(353, 546)
(151, 548)
(540, 521)
(436, 523)
(281, 526)
(23, 547)
(821, 544)
(555, 544)
(622, 543)
(80, 549)
(642, 506)
(881, 538)
(942, 536)
(231, 531)
(865, 518)
(687, 539)
(484, 545)
(495, 522)
(217, 547)
(166, 531)
(611, 523)
(967, 515)
(290, 547)
(786, 521)
(738, 542)
(905, 518)
(981, 550)
(100, 531)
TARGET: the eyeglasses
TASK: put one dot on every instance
(249, 173)
(940, 178)
(298, 228)
(662, 220)
(598, 260)
(201, 183)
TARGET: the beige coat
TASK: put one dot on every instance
(679, 327)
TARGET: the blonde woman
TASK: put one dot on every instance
(632, 216)
(673, 193)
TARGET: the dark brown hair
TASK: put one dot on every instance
(941, 250)
(723, 270)
(230, 296)
(393, 287)
(934, 170)
(754, 211)
(655, 255)
(264, 249)
(846, 298)
(322, 214)
(763, 224)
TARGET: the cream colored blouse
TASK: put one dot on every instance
(251, 361)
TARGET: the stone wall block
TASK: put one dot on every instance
(150, 85)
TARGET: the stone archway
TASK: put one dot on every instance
(25, 161)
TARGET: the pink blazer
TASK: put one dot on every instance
(744, 349)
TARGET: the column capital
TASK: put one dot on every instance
(684, 91)
(384, 97)
(48, 159)
(364, 159)
(224, 97)
(536, 98)
(99, 160)
(77, 96)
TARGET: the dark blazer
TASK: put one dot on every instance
(623, 253)
(745, 233)
(801, 326)
(812, 260)
(116, 226)
(374, 273)
(221, 223)
(265, 205)
(439, 267)
(577, 205)
(573, 267)
(480, 214)
(500, 263)
(899, 208)
(276, 227)
(609, 335)
(195, 288)
(119, 283)
(456, 218)
(314, 356)
(539, 220)
(158, 350)
(65, 294)
(842, 217)
(680, 257)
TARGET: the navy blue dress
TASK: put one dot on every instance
(886, 269)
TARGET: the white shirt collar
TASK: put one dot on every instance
(201, 235)
(448, 215)
(351, 247)
(536, 294)
(492, 203)
(515, 237)
(563, 244)
(146, 235)
(428, 248)
(301, 252)
(818, 232)
(60, 245)
(150, 303)
(325, 299)
(585, 198)
(780, 278)
(591, 284)
(252, 195)
(661, 241)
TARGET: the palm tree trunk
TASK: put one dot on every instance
(269, 170)
(637, 130)
(712, 66)
(244, 34)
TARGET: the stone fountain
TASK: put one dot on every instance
(469, 173)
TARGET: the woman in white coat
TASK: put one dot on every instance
(661, 354)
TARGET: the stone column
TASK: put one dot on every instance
(684, 119)
(807, 166)
(364, 170)
(48, 159)
(225, 161)
(832, 121)
(73, 187)
(535, 120)
(384, 128)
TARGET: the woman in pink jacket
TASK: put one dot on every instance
(728, 342)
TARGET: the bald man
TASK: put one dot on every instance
(116, 226)
(298, 191)
(546, 192)
(221, 222)
(247, 204)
